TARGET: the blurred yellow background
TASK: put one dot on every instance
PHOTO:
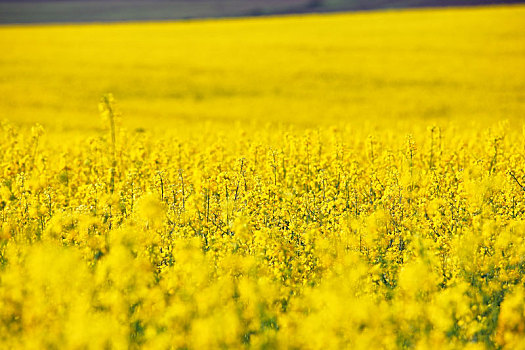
(435, 65)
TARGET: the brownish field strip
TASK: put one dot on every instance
(45, 11)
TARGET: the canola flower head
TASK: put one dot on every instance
(150, 209)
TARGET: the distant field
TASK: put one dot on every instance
(43, 11)
(97, 10)
(442, 65)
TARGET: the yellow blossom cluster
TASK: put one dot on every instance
(280, 238)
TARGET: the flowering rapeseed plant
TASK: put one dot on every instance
(312, 240)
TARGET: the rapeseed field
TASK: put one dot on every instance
(305, 182)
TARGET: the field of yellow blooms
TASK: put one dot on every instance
(319, 182)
